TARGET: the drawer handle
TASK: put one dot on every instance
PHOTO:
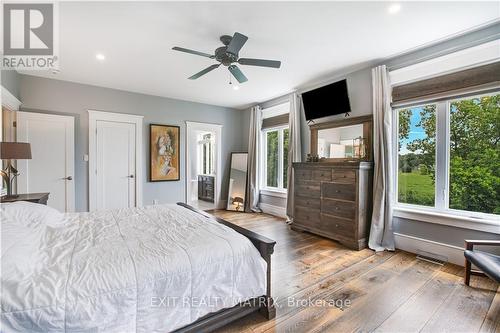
(336, 225)
(337, 191)
(337, 208)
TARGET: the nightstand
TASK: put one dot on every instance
(40, 198)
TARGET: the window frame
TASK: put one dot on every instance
(441, 213)
(263, 165)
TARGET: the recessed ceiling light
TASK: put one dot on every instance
(235, 87)
(394, 8)
(100, 57)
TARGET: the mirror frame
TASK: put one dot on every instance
(366, 121)
(246, 184)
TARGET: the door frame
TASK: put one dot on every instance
(22, 165)
(94, 117)
(209, 127)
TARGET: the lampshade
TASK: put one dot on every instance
(15, 151)
(237, 200)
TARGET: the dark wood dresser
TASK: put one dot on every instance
(40, 198)
(206, 188)
(334, 200)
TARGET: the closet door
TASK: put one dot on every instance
(51, 168)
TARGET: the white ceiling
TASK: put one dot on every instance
(311, 39)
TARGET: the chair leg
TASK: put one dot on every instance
(467, 272)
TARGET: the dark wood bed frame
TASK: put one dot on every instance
(264, 304)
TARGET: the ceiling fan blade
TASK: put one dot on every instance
(237, 73)
(181, 49)
(259, 62)
(236, 43)
(203, 72)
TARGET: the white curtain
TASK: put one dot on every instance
(252, 195)
(381, 234)
(294, 149)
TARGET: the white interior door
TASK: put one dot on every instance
(115, 164)
(51, 168)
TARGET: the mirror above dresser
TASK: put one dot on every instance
(343, 140)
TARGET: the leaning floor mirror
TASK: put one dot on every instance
(237, 182)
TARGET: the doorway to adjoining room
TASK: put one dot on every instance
(203, 165)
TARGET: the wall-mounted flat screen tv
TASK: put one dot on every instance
(326, 101)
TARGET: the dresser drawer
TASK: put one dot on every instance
(306, 216)
(313, 203)
(322, 175)
(339, 191)
(339, 208)
(312, 190)
(338, 225)
(344, 176)
(302, 174)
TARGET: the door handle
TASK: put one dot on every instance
(68, 178)
(131, 176)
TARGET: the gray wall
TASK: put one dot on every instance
(10, 81)
(360, 94)
(60, 97)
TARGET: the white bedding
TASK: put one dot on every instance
(149, 269)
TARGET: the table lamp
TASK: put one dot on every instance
(13, 151)
(237, 201)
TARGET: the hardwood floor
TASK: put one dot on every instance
(320, 286)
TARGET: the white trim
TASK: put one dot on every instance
(137, 120)
(453, 220)
(454, 254)
(209, 127)
(10, 101)
(274, 192)
(273, 210)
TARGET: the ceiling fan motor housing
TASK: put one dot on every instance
(225, 57)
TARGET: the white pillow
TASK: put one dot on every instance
(30, 214)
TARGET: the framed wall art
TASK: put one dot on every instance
(164, 147)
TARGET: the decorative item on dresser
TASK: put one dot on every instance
(334, 200)
(40, 198)
(206, 188)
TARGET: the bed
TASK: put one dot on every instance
(149, 269)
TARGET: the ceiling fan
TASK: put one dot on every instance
(228, 55)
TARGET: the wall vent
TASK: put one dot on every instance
(432, 257)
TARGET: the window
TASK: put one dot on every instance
(206, 154)
(417, 154)
(276, 157)
(449, 156)
(474, 176)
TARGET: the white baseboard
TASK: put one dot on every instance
(273, 210)
(454, 254)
